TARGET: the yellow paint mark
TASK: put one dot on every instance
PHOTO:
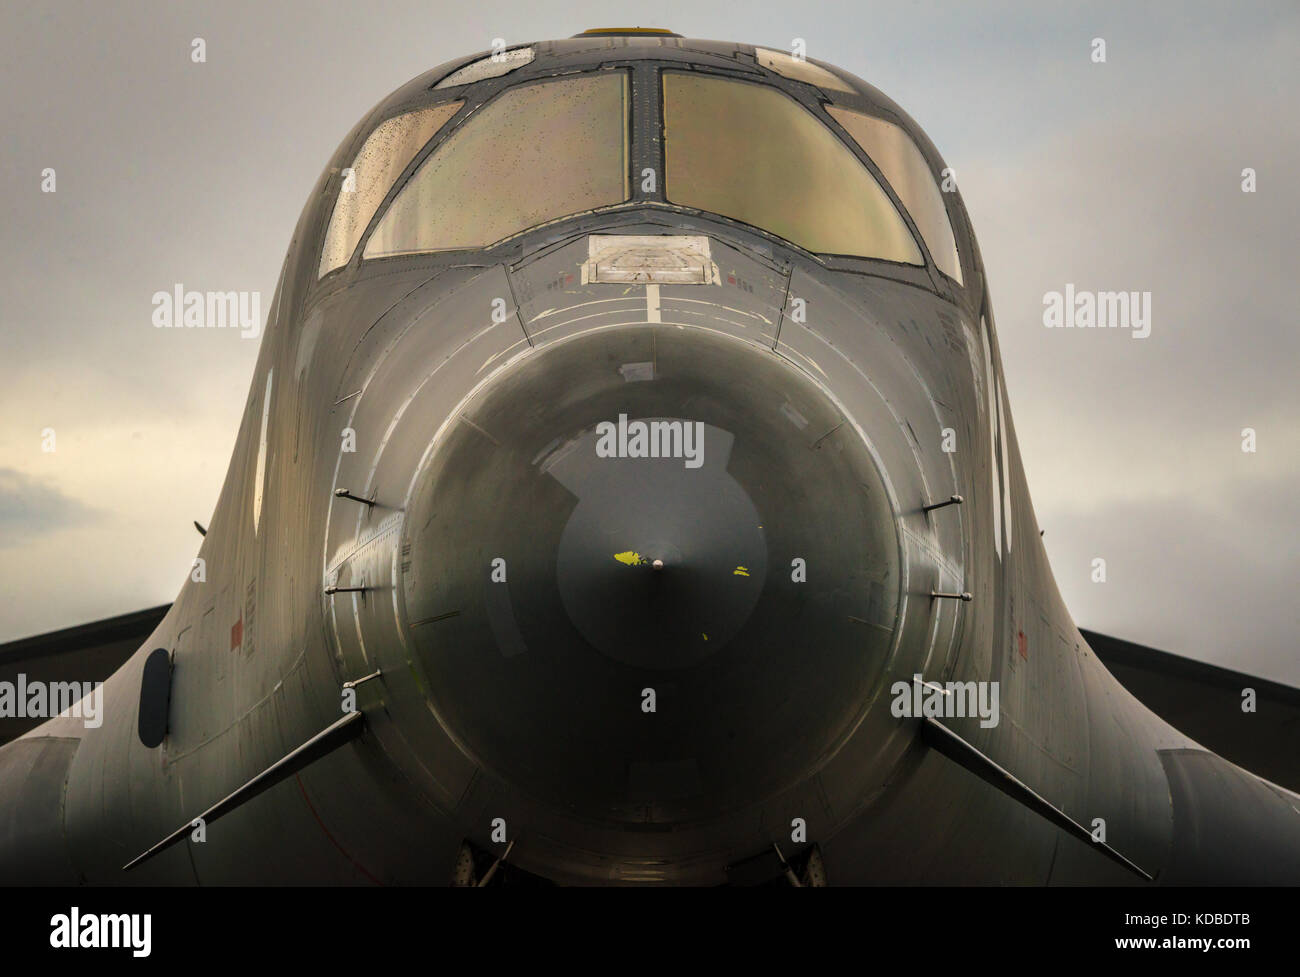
(628, 30)
(706, 637)
(740, 572)
(631, 558)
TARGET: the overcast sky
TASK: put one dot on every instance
(1122, 175)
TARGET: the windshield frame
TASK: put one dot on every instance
(475, 116)
(644, 149)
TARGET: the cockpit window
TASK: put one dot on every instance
(493, 66)
(902, 164)
(385, 154)
(814, 74)
(754, 154)
(535, 153)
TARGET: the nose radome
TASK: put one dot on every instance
(659, 563)
(653, 575)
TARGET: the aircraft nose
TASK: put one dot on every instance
(652, 575)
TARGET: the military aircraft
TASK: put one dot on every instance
(627, 493)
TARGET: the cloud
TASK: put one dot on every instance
(31, 508)
(1133, 448)
(1210, 578)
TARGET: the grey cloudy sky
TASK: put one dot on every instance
(1123, 175)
